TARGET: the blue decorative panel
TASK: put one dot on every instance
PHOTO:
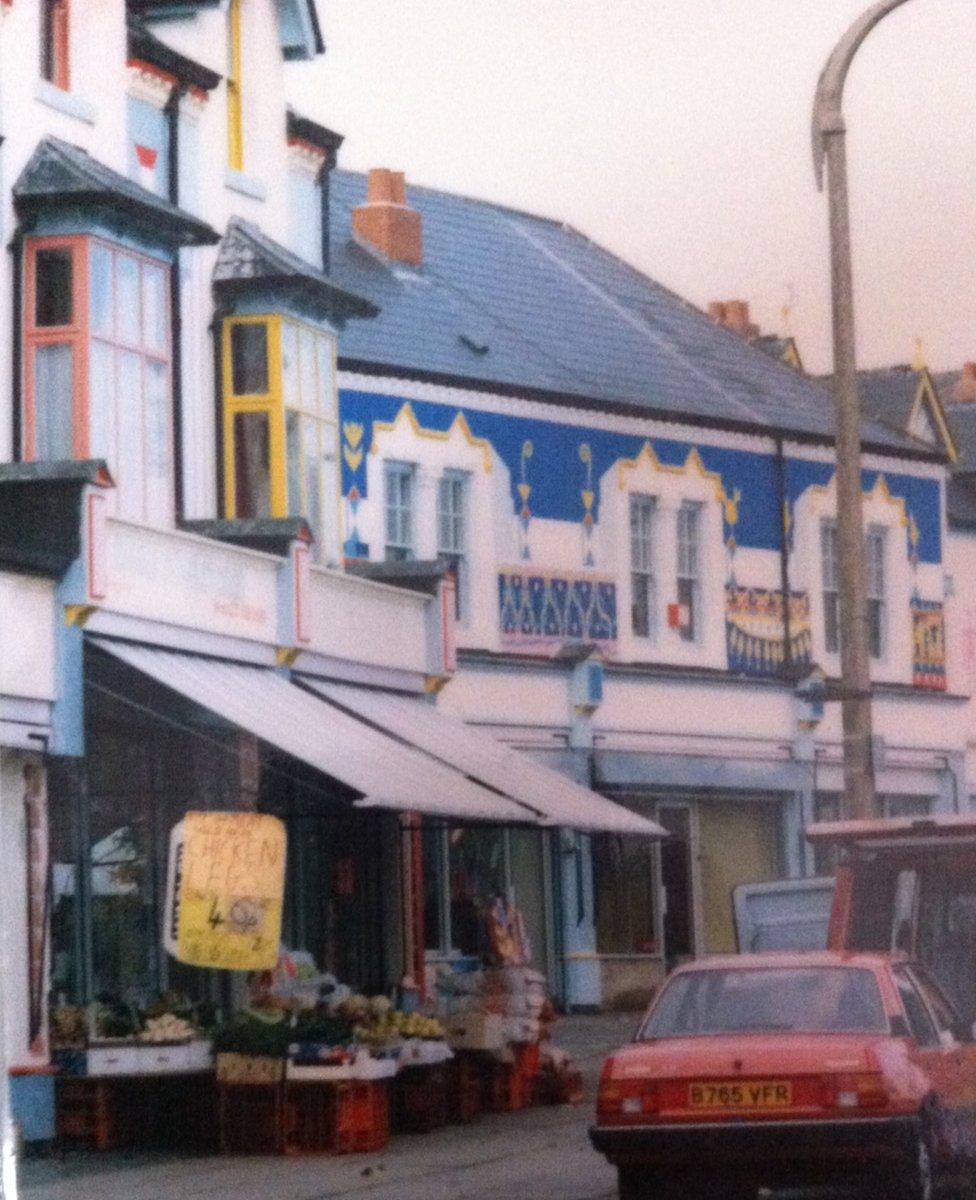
(755, 630)
(554, 468)
(540, 610)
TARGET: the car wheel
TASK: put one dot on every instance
(920, 1181)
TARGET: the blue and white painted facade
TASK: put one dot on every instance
(700, 723)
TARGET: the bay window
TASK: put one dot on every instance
(281, 425)
(97, 366)
(642, 589)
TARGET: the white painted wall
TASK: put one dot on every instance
(26, 637)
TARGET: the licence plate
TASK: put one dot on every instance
(750, 1093)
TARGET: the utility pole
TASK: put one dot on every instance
(830, 150)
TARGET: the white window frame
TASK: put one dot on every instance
(453, 523)
(688, 566)
(399, 512)
(830, 585)
(642, 512)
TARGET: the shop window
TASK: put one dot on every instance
(398, 490)
(689, 571)
(55, 21)
(281, 425)
(642, 585)
(477, 877)
(235, 103)
(452, 533)
(97, 366)
(623, 878)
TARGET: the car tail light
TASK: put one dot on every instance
(856, 1092)
(622, 1100)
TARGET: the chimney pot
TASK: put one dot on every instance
(737, 315)
(385, 221)
(716, 311)
(965, 390)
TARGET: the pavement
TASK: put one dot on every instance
(537, 1154)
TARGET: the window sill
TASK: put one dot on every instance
(69, 103)
(244, 185)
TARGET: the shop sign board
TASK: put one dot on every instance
(225, 888)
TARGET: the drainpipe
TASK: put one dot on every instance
(784, 559)
(172, 112)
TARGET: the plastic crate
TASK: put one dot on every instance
(250, 1118)
(361, 1116)
(506, 1089)
(422, 1098)
(466, 1089)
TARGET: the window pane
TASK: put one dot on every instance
(158, 456)
(327, 387)
(293, 464)
(53, 391)
(249, 359)
(641, 604)
(101, 403)
(100, 289)
(688, 600)
(477, 862)
(127, 307)
(251, 465)
(130, 480)
(624, 879)
(309, 396)
(312, 470)
(329, 533)
(289, 363)
(53, 275)
(432, 843)
(155, 318)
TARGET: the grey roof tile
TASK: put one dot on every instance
(519, 302)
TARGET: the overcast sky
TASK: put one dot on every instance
(676, 133)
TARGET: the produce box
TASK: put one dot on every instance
(476, 1031)
(249, 1069)
(422, 1098)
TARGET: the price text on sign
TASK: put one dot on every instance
(227, 883)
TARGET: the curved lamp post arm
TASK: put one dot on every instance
(828, 116)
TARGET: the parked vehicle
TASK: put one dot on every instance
(792, 1070)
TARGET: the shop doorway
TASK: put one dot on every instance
(739, 843)
(678, 882)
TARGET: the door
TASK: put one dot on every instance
(739, 843)
(677, 882)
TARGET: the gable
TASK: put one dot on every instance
(927, 421)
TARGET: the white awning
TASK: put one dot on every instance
(382, 769)
(555, 799)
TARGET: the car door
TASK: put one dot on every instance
(937, 1054)
(960, 1057)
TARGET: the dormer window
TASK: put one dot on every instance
(55, 20)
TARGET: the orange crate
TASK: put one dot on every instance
(527, 1060)
(506, 1089)
(361, 1116)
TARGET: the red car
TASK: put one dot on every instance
(792, 1071)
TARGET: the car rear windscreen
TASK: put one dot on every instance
(768, 1000)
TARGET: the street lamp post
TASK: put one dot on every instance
(830, 150)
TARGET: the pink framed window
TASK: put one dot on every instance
(55, 66)
(98, 366)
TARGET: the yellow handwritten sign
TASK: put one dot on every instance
(225, 889)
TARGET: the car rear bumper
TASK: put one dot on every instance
(822, 1145)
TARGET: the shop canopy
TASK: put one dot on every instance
(386, 773)
(397, 753)
(555, 799)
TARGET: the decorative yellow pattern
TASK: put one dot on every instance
(460, 422)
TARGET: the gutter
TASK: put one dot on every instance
(626, 408)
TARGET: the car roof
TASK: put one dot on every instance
(792, 959)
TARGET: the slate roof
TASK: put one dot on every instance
(247, 256)
(59, 174)
(888, 394)
(509, 301)
(161, 8)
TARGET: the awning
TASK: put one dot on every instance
(385, 772)
(555, 799)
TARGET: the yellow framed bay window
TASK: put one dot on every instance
(281, 427)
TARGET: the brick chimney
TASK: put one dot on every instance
(386, 222)
(734, 315)
(965, 390)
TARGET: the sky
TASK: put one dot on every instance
(677, 134)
